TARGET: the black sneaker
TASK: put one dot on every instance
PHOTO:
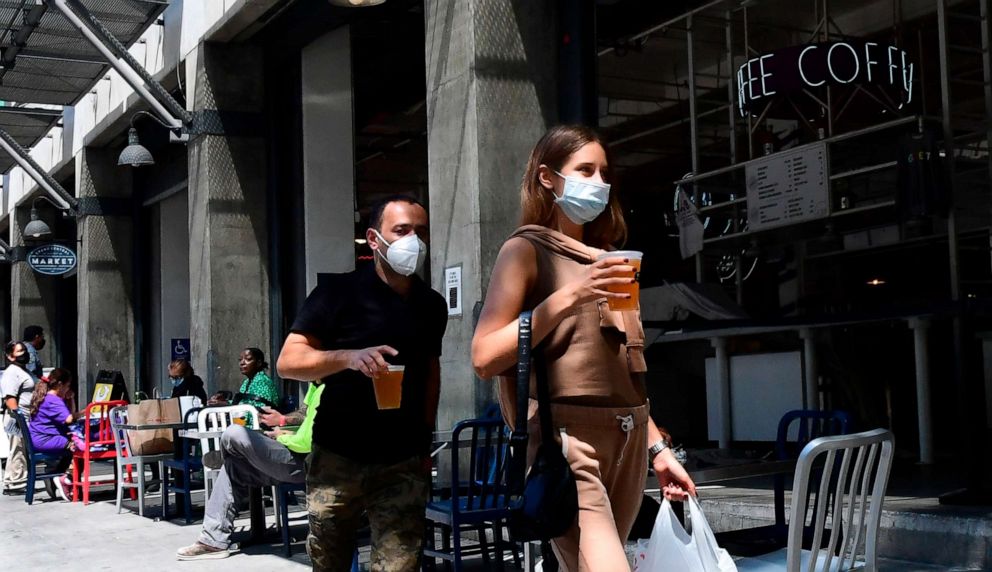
(213, 459)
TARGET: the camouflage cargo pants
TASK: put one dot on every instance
(340, 489)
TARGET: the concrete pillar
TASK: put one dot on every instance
(32, 295)
(328, 156)
(921, 347)
(105, 280)
(811, 372)
(723, 391)
(228, 235)
(490, 96)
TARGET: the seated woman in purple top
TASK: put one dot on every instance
(50, 420)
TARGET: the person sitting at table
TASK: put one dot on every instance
(257, 389)
(248, 458)
(51, 416)
(184, 381)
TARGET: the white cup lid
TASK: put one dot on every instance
(631, 254)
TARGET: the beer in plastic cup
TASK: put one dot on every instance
(634, 289)
(240, 421)
(388, 387)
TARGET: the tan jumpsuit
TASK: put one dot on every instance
(598, 407)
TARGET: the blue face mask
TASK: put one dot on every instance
(582, 200)
(176, 381)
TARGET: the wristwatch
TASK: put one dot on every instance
(657, 448)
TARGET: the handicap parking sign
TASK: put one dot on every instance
(180, 349)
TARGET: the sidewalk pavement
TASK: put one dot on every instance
(54, 534)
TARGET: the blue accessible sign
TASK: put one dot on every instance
(180, 349)
(51, 259)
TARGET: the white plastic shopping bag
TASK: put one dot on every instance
(671, 548)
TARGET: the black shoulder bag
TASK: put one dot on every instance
(545, 504)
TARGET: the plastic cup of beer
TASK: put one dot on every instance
(632, 288)
(240, 421)
(388, 387)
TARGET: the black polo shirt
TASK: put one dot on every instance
(358, 310)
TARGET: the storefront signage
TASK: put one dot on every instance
(791, 70)
(787, 187)
(453, 289)
(51, 259)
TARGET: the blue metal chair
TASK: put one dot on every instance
(33, 458)
(479, 500)
(284, 493)
(187, 463)
(811, 424)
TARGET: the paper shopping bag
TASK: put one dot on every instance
(152, 412)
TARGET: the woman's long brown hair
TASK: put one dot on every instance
(61, 381)
(537, 203)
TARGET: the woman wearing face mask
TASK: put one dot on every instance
(184, 381)
(16, 387)
(596, 381)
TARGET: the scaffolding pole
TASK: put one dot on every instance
(167, 108)
(19, 154)
(693, 129)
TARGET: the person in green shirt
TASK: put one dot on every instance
(257, 389)
(251, 458)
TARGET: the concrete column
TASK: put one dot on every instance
(105, 282)
(723, 390)
(921, 347)
(490, 96)
(228, 236)
(32, 295)
(811, 371)
(328, 156)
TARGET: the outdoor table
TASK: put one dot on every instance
(155, 426)
(742, 471)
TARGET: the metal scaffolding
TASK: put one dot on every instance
(949, 87)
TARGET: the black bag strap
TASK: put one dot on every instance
(518, 437)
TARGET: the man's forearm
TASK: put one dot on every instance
(303, 363)
(296, 417)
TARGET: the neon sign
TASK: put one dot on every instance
(791, 70)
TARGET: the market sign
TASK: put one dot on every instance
(51, 259)
(794, 69)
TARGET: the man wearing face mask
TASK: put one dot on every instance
(16, 387)
(351, 327)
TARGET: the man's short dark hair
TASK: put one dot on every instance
(375, 218)
(31, 332)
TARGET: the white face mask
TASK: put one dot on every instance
(582, 200)
(405, 255)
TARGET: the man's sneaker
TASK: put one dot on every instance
(200, 551)
(61, 484)
(213, 459)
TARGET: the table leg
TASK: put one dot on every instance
(256, 509)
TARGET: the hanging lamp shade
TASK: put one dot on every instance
(135, 154)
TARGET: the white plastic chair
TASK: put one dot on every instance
(118, 417)
(217, 419)
(855, 474)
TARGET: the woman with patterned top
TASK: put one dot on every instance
(257, 389)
